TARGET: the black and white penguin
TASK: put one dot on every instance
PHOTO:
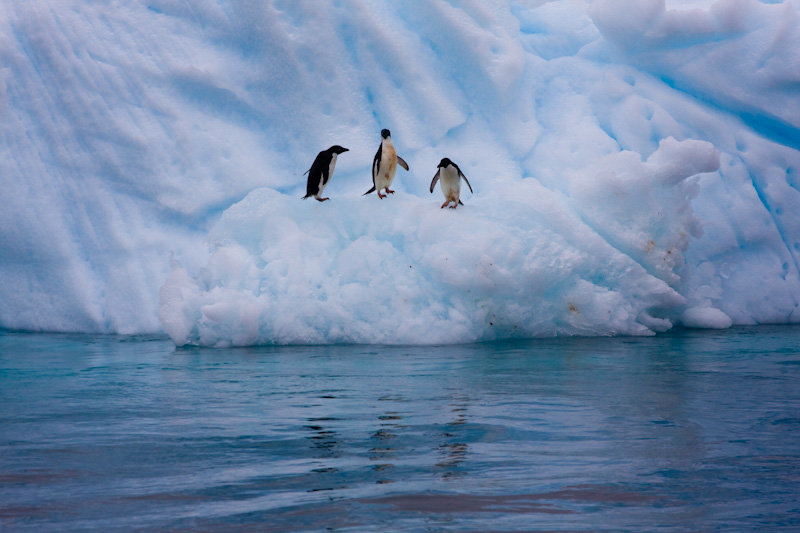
(450, 176)
(384, 166)
(321, 172)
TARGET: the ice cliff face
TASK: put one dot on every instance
(630, 172)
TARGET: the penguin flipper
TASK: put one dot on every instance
(465, 179)
(435, 179)
(376, 162)
(402, 162)
(325, 175)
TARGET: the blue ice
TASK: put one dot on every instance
(631, 173)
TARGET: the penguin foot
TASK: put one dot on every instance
(322, 199)
(381, 196)
(389, 190)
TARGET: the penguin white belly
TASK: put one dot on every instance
(450, 182)
(387, 168)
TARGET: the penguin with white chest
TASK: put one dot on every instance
(321, 171)
(450, 177)
(384, 166)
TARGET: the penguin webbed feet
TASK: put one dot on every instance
(322, 199)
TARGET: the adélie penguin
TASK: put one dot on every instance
(384, 166)
(321, 171)
(450, 177)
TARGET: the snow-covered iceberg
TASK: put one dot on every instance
(631, 172)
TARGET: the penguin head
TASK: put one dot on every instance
(385, 133)
(444, 163)
(336, 149)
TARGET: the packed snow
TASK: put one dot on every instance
(635, 166)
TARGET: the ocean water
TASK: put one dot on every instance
(686, 431)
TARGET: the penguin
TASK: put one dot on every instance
(450, 175)
(321, 171)
(384, 166)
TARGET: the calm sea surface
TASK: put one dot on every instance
(687, 431)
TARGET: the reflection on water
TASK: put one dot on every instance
(381, 453)
(685, 431)
(454, 447)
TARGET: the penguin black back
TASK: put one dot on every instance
(321, 171)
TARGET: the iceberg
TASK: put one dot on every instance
(630, 174)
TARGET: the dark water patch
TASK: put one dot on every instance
(466, 503)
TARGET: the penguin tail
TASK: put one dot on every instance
(460, 202)
(369, 191)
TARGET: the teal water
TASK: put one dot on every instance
(687, 431)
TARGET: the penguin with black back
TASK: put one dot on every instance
(384, 166)
(450, 176)
(321, 171)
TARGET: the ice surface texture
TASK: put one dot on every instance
(630, 173)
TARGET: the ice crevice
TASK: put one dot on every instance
(776, 221)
